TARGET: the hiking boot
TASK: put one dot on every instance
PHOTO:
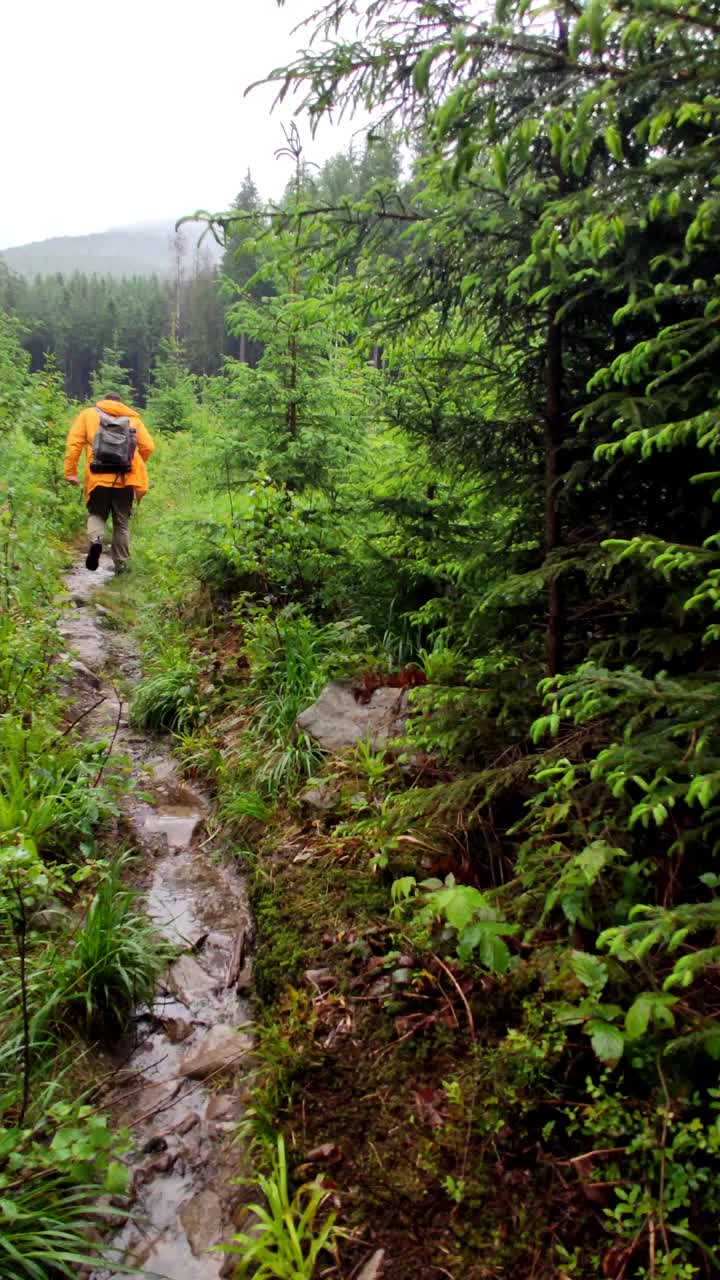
(92, 559)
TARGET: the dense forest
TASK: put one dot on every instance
(444, 422)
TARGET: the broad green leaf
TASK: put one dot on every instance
(589, 970)
(638, 1017)
(607, 1041)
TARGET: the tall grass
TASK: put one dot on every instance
(291, 659)
(290, 1236)
(117, 956)
(168, 699)
(45, 1226)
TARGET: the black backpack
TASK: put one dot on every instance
(114, 445)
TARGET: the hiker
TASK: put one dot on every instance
(117, 445)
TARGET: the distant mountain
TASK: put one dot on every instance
(142, 250)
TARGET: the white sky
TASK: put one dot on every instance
(122, 111)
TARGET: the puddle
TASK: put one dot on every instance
(176, 1053)
(179, 823)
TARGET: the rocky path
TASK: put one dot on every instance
(177, 1077)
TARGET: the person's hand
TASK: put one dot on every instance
(72, 480)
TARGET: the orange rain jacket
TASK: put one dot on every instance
(80, 436)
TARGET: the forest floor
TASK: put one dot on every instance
(368, 1056)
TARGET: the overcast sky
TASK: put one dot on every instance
(121, 111)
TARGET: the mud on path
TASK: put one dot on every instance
(177, 1076)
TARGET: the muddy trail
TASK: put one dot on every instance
(176, 1078)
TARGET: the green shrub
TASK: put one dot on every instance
(50, 1182)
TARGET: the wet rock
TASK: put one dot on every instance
(83, 673)
(144, 1249)
(154, 1096)
(319, 799)
(156, 844)
(177, 1029)
(187, 979)
(163, 770)
(219, 1050)
(53, 919)
(337, 721)
(201, 1218)
(220, 1106)
(187, 1124)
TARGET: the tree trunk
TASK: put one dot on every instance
(292, 405)
(555, 634)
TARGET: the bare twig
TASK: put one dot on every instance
(461, 993)
(663, 1166)
(116, 730)
(75, 722)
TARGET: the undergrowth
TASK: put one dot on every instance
(74, 954)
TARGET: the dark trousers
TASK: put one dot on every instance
(105, 501)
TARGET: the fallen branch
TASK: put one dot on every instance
(75, 722)
(237, 959)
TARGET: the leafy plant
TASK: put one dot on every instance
(476, 926)
(290, 1236)
(50, 1182)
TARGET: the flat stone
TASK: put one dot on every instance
(186, 979)
(337, 721)
(156, 1095)
(219, 1050)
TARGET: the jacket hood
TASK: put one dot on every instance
(115, 408)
